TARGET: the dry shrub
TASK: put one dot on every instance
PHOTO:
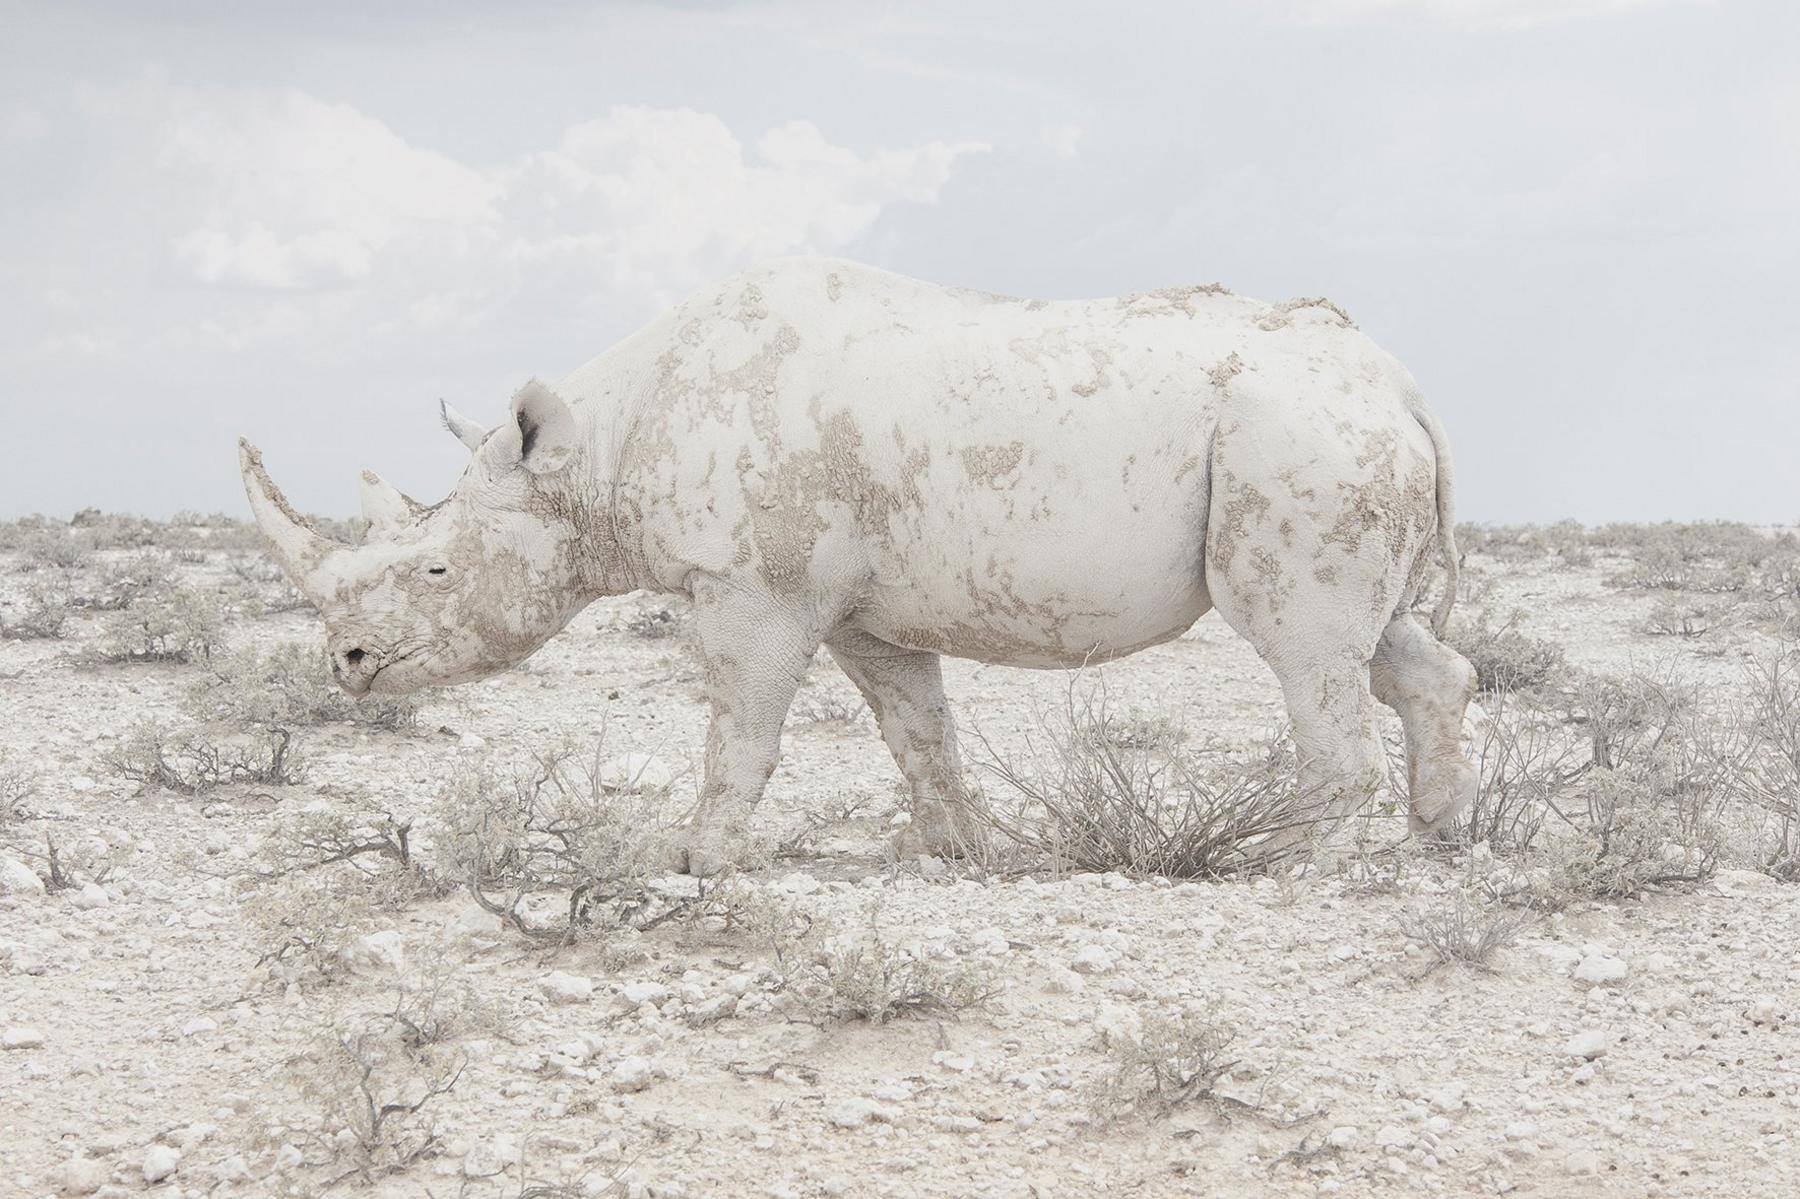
(18, 782)
(1461, 928)
(864, 977)
(305, 926)
(1504, 658)
(188, 762)
(1686, 618)
(1527, 764)
(168, 624)
(654, 624)
(363, 836)
(52, 547)
(1721, 556)
(1619, 781)
(1760, 752)
(286, 687)
(120, 584)
(1171, 1061)
(1084, 801)
(369, 1082)
(42, 617)
(549, 825)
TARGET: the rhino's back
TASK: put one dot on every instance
(1015, 480)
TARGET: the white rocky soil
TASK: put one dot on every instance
(1645, 1047)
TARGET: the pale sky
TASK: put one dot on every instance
(1577, 221)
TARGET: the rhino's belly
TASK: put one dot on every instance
(1045, 604)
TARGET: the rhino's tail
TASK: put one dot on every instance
(1446, 507)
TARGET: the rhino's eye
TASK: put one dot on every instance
(437, 570)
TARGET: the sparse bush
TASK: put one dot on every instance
(122, 583)
(264, 584)
(1759, 756)
(1086, 803)
(1144, 731)
(18, 782)
(863, 977)
(42, 617)
(1527, 765)
(1629, 844)
(827, 709)
(306, 925)
(1171, 1061)
(1461, 928)
(1687, 619)
(653, 624)
(362, 836)
(1504, 658)
(188, 762)
(52, 547)
(287, 687)
(368, 1082)
(167, 625)
(551, 825)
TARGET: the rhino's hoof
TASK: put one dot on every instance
(703, 859)
(935, 832)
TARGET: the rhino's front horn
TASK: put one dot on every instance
(384, 506)
(298, 549)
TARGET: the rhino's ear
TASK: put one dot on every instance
(546, 429)
(461, 427)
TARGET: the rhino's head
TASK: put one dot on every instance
(459, 590)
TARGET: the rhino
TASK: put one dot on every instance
(818, 453)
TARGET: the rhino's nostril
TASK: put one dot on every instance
(353, 657)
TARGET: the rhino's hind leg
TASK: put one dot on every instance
(905, 690)
(1430, 685)
(755, 653)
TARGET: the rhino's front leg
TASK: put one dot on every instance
(905, 690)
(755, 652)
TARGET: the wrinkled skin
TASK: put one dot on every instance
(820, 454)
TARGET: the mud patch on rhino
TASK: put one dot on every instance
(988, 464)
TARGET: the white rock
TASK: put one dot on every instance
(198, 1025)
(16, 878)
(1765, 1011)
(631, 1074)
(558, 987)
(739, 984)
(474, 926)
(1583, 1161)
(1449, 1097)
(160, 1162)
(1601, 970)
(636, 772)
(483, 1160)
(83, 1175)
(381, 952)
(1343, 1136)
(1587, 1045)
(21, 1037)
(1521, 1130)
(635, 995)
(90, 896)
(470, 741)
(1091, 959)
(797, 883)
(855, 1112)
(1392, 1136)
(1059, 980)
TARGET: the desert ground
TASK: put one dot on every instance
(258, 940)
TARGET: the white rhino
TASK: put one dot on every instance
(818, 453)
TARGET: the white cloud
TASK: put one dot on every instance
(1064, 141)
(281, 192)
